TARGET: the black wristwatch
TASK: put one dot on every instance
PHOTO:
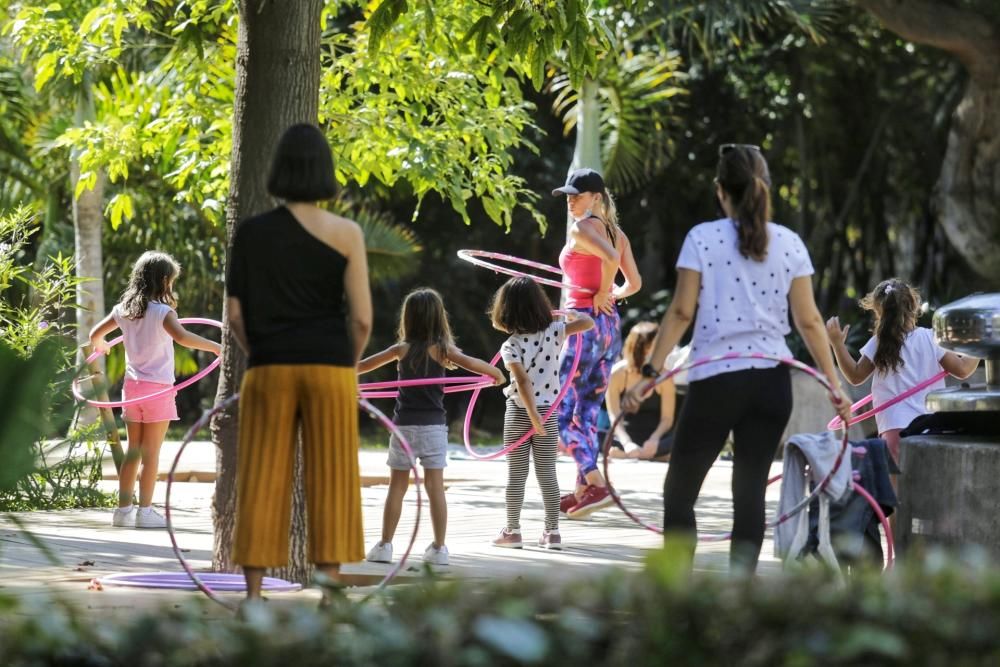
(648, 371)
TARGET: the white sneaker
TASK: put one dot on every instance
(147, 517)
(124, 517)
(436, 555)
(380, 553)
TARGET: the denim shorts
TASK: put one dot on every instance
(429, 444)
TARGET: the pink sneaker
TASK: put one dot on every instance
(593, 499)
(567, 501)
(550, 539)
(508, 539)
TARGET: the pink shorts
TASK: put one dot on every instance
(160, 409)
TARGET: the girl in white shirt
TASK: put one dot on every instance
(149, 326)
(900, 354)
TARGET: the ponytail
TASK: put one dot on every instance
(743, 175)
(610, 217)
(896, 306)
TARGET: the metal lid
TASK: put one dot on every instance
(970, 325)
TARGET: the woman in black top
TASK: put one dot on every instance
(299, 305)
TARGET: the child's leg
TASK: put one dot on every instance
(516, 424)
(544, 450)
(152, 438)
(434, 483)
(399, 480)
(130, 465)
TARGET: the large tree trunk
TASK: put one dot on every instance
(587, 148)
(277, 85)
(969, 185)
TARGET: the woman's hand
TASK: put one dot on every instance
(837, 334)
(841, 405)
(633, 398)
(604, 302)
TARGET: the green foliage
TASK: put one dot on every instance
(933, 614)
(23, 381)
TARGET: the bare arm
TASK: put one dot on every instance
(959, 365)
(236, 324)
(476, 365)
(184, 337)
(359, 296)
(379, 359)
(612, 401)
(526, 390)
(668, 396)
(856, 372)
(809, 324)
(629, 269)
(100, 331)
(589, 236)
(579, 324)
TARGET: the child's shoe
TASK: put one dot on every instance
(550, 539)
(380, 553)
(124, 517)
(147, 517)
(436, 555)
(508, 539)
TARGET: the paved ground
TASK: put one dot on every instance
(86, 546)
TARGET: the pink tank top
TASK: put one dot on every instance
(580, 270)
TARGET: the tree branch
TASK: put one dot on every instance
(966, 34)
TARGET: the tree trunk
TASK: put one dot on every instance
(88, 225)
(277, 85)
(587, 149)
(969, 185)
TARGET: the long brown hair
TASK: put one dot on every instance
(637, 343)
(520, 307)
(152, 279)
(423, 326)
(896, 306)
(743, 174)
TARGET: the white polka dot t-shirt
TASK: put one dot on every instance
(743, 303)
(539, 354)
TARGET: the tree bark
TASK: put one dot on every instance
(277, 85)
(968, 187)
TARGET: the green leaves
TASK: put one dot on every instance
(23, 382)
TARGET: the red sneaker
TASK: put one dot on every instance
(593, 499)
(567, 501)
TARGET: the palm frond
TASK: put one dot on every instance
(392, 248)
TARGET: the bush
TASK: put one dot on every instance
(933, 614)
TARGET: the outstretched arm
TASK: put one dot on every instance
(379, 359)
(475, 365)
(100, 331)
(184, 337)
(959, 365)
(856, 372)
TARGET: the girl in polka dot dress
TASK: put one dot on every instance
(531, 355)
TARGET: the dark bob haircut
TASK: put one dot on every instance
(302, 170)
(520, 307)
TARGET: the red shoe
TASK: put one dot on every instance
(593, 499)
(567, 501)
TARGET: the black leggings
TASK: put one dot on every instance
(753, 404)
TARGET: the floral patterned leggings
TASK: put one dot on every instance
(581, 405)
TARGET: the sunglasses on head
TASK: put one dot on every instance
(725, 148)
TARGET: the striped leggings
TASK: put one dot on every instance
(544, 448)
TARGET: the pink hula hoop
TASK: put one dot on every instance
(476, 257)
(524, 438)
(390, 388)
(200, 424)
(163, 392)
(837, 422)
(719, 537)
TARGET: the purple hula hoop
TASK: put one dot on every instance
(75, 387)
(819, 377)
(199, 583)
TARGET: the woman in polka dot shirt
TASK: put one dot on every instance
(741, 275)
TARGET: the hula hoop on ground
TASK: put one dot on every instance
(720, 537)
(479, 257)
(198, 581)
(163, 392)
(466, 427)
(228, 583)
(837, 422)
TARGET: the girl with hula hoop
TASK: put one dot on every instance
(900, 354)
(531, 354)
(739, 274)
(425, 348)
(595, 251)
(149, 328)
